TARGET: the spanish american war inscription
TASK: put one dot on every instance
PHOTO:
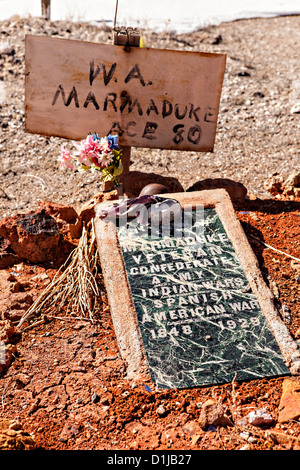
(199, 321)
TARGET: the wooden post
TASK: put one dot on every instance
(46, 9)
(126, 37)
(126, 153)
(129, 37)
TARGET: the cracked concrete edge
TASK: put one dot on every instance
(288, 346)
(120, 299)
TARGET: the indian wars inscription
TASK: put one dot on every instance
(149, 97)
(199, 320)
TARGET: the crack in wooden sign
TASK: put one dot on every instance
(149, 97)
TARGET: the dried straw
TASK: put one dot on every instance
(74, 287)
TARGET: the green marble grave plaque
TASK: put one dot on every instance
(199, 320)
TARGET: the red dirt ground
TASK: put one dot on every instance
(67, 384)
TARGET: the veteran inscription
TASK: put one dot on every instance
(149, 97)
(199, 320)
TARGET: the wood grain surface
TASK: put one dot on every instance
(152, 98)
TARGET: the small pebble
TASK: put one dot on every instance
(95, 398)
(104, 401)
(260, 417)
(286, 313)
(246, 447)
(296, 108)
(161, 410)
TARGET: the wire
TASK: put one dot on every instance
(117, 2)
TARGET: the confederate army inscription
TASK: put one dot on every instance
(199, 320)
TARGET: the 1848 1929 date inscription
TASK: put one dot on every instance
(199, 320)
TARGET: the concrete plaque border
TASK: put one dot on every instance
(120, 299)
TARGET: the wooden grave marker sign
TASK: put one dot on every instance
(151, 98)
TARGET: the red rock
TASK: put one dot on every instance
(44, 235)
(291, 186)
(13, 306)
(7, 331)
(283, 439)
(237, 191)
(8, 259)
(260, 418)
(60, 211)
(7, 349)
(134, 181)
(87, 210)
(69, 431)
(7, 256)
(13, 437)
(169, 436)
(66, 218)
(289, 406)
(274, 183)
(6, 355)
(191, 428)
(213, 414)
(13, 303)
(154, 188)
(34, 236)
(278, 186)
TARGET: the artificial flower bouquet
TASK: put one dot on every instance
(95, 153)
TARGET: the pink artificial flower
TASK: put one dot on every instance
(106, 159)
(93, 145)
(89, 150)
(66, 159)
(82, 154)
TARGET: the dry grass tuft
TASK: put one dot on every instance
(74, 287)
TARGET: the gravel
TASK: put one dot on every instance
(257, 133)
